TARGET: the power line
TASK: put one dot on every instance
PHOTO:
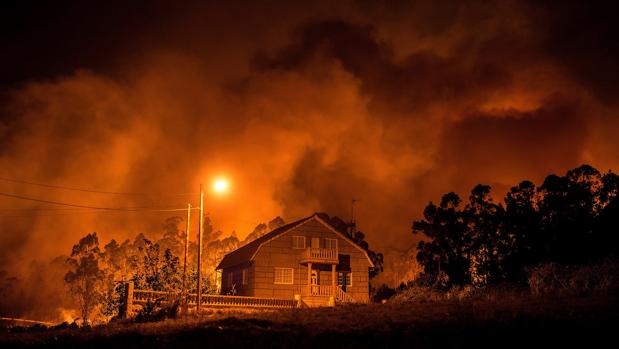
(36, 209)
(60, 187)
(69, 209)
(21, 197)
(96, 212)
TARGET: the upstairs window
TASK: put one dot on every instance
(331, 244)
(284, 276)
(298, 242)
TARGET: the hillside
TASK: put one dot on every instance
(472, 323)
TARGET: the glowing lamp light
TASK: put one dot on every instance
(220, 185)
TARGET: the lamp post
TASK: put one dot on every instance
(200, 232)
(220, 186)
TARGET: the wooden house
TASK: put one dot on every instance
(308, 259)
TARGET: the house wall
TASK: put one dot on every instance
(236, 272)
(279, 253)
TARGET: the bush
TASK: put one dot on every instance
(156, 311)
(383, 292)
(461, 293)
(555, 279)
(417, 293)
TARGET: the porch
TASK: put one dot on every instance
(328, 293)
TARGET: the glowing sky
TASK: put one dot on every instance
(302, 107)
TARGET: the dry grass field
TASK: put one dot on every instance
(497, 323)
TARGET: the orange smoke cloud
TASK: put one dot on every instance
(392, 105)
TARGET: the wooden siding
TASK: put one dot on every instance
(278, 252)
(237, 272)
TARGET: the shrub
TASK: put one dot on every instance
(548, 278)
(555, 279)
(156, 311)
(417, 293)
(383, 292)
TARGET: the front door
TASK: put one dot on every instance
(343, 282)
(314, 283)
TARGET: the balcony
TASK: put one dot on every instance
(320, 255)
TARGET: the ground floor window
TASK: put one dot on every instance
(284, 276)
(344, 277)
(244, 277)
(230, 276)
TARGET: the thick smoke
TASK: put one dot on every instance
(304, 108)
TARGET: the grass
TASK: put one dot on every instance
(525, 321)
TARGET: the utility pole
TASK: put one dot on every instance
(200, 229)
(185, 260)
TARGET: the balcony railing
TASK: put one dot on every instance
(320, 255)
(318, 290)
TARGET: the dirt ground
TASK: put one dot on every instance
(501, 323)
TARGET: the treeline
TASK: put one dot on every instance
(97, 274)
(568, 220)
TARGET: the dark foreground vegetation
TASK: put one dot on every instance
(504, 319)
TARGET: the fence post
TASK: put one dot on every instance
(331, 302)
(128, 303)
(297, 297)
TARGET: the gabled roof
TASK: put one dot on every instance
(247, 252)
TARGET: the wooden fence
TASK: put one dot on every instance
(208, 300)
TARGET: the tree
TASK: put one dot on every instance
(156, 270)
(357, 237)
(490, 243)
(569, 219)
(173, 237)
(276, 223)
(568, 209)
(171, 278)
(376, 257)
(522, 224)
(607, 227)
(258, 231)
(447, 251)
(85, 277)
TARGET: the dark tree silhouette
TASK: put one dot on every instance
(607, 227)
(359, 238)
(522, 225)
(571, 219)
(447, 251)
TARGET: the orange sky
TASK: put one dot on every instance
(302, 107)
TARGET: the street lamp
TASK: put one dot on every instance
(220, 186)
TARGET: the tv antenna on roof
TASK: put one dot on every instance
(352, 225)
